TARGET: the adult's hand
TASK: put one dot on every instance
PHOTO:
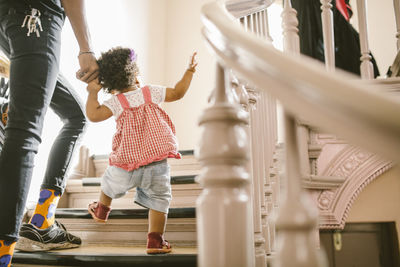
(89, 69)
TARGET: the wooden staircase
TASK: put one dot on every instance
(122, 240)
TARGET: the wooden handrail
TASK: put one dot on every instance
(339, 103)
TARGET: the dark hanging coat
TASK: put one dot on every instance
(347, 41)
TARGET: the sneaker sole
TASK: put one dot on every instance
(25, 244)
(158, 250)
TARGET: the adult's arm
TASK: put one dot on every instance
(75, 11)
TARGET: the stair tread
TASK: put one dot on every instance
(126, 213)
(107, 255)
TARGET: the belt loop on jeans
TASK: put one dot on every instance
(13, 11)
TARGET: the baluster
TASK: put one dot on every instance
(263, 141)
(396, 4)
(223, 209)
(328, 33)
(250, 23)
(275, 122)
(242, 20)
(266, 124)
(290, 31)
(292, 45)
(261, 24)
(256, 172)
(255, 24)
(275, 205)
(367, 69)
(297, 220)
(265, 25)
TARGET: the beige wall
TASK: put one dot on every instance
(183, 28)
(379, 201)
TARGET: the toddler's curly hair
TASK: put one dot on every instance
(117, 69)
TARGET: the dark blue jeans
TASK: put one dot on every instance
(35, 84)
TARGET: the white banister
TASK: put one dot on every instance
(223, 210)
(297, 220)
(396, 4)
(328, 33)
(367, 69)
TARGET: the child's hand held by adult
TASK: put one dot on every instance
(89, 68)
(94, 86)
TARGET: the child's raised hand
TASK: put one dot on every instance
(94, 86)
(193, 63)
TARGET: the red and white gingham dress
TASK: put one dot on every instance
(145, 134)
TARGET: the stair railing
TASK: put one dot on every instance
(334, 102)
(262, 133)
(253, 15)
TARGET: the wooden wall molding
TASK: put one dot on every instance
(359, 168)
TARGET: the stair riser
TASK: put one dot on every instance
(187, 163)
(182, 196)
(179, 231)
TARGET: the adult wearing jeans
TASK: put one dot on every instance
(30, 35)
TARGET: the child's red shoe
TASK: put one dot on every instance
(99, 211)
(156, 244)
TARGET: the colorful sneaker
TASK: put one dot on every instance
(156, 244)
(99, 211)
(53, 237)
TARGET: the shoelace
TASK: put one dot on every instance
(65, 233)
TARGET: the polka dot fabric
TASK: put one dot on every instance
(145, 134)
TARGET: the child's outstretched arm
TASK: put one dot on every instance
(173, 94)
(94, 111)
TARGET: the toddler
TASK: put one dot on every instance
(144, 139)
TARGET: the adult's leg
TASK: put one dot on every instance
(67, 105)
(33, 74)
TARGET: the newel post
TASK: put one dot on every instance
(223, 210)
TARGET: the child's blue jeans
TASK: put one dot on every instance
(152, 183)
(35, 85)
